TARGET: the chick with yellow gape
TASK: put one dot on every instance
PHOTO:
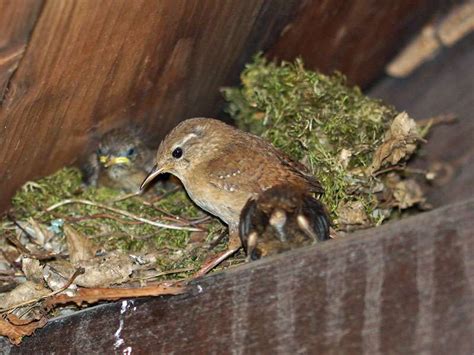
(121, 161)
(222, 168)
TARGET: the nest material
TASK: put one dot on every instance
(39, 231)
(353, 144)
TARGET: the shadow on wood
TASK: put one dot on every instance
(356, 38)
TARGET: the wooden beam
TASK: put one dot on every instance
(357, 38)
(403, 288)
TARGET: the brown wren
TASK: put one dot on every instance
(282, 218)
(121, 161)
(222, 167)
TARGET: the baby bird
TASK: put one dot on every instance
(222, 167)
(121, 161)
(279, 219)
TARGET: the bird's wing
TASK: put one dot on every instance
(257, 168)
(301, 170)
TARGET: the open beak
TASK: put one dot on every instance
(108, 161)
(153, 174)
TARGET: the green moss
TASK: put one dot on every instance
(316, 119)
(34, 196)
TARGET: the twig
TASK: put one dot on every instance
(78, 272)
(11, 261)
(213, 243)
(167, 214)
(92, 295)
(437, 120)
(390, 168)
(167, 193)
(199, 220)
(99, 216)
(426, 124)
(169, 272)
(123, 213)
(127, 196)
(208, 266)
(403, 168)
(15, 222)
(24, 250)
(14, 240)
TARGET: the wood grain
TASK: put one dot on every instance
(403, 288)
(90, 66)
(356, 38)
(17, 19)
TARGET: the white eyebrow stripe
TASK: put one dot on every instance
(187, 138)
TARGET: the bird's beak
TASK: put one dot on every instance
(108, 161)
(153, 174)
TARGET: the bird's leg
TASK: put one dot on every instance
(305, 227)
(251, 244)
(234, 246)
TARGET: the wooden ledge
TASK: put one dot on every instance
(406, 287)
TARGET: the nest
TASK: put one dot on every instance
(356, 146)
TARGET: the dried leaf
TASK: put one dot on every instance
(41, 233)
(104, 271)
(32, 269)
(352, 213)
(15, 333)
(79, 246)
(113, 269)
(27, 291)
(54, 275)
(400, 142)
(408, 193)
(93, 295)
(32, 250)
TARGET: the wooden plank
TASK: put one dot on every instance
(356, 38)
(403, 288)
(93, 65)
(17, 18)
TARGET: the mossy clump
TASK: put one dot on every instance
(317, 119)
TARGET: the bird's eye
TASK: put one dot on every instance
(177, 153)
(130, 152)
(100, 151)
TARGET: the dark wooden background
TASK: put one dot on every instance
(70, 70)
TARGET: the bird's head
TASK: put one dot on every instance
(120, 151)
(189, 144)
